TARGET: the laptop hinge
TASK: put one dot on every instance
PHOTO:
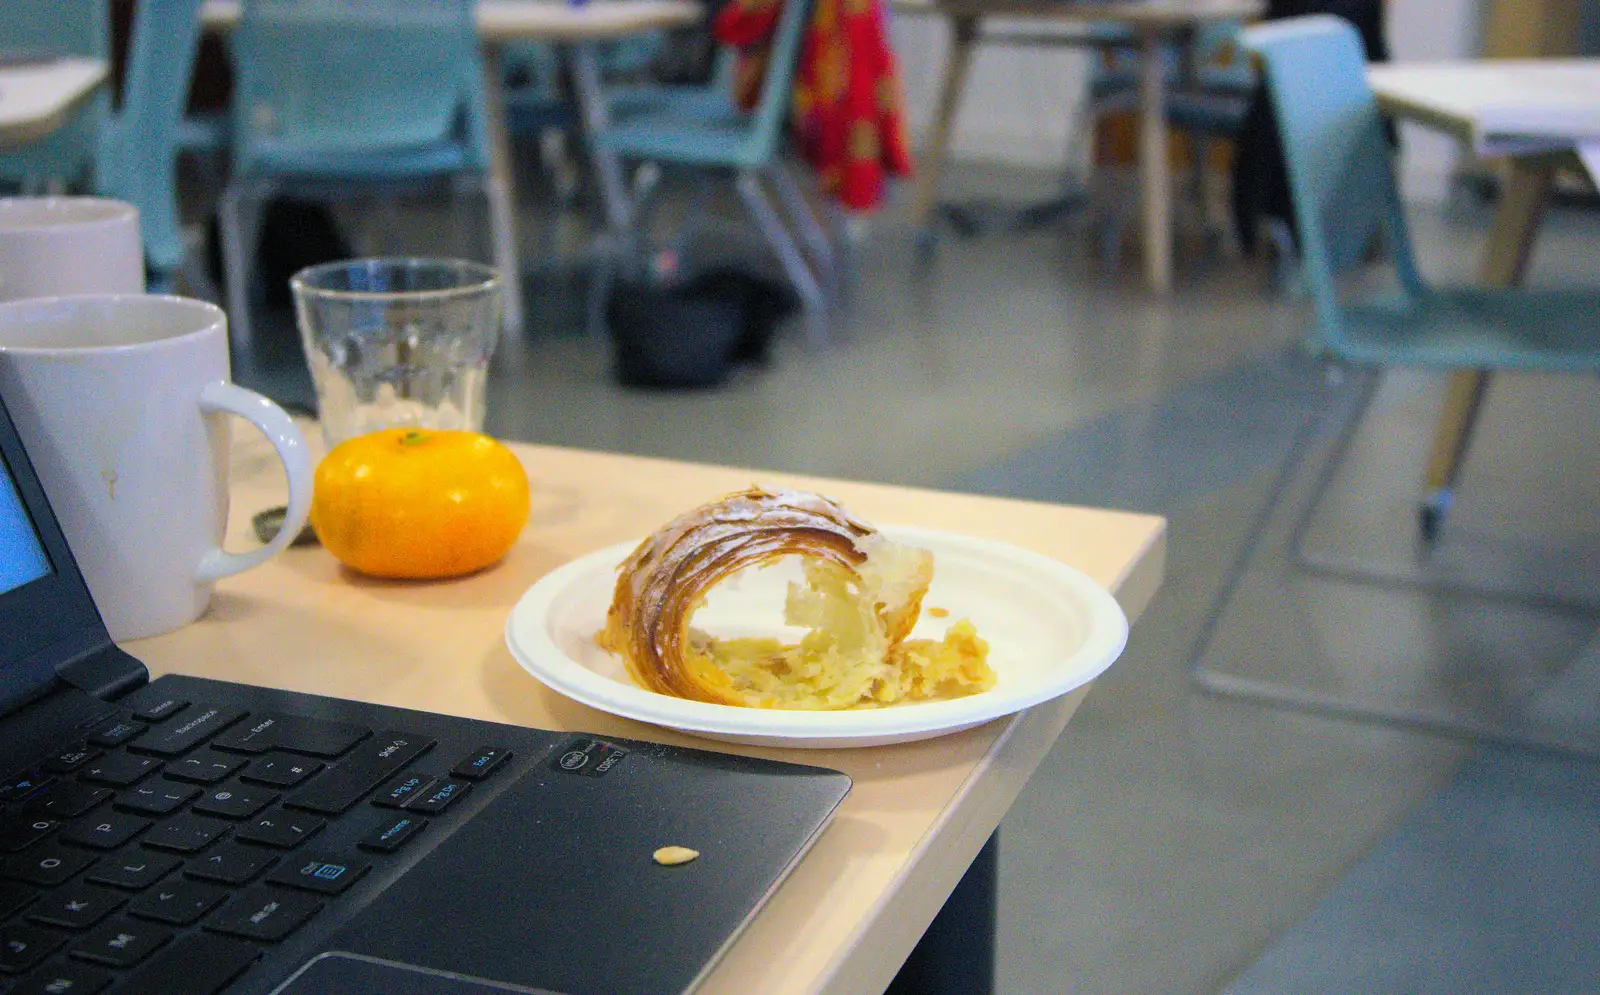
(105, 672)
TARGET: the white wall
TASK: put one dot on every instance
(1021, 104)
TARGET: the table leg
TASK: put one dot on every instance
(613, 188)
(956, 953)
(1505, 262)
(502, 190)
(963, 35)
(1154, 174)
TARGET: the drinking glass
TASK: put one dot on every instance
(398, 342)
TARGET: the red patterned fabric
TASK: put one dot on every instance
(849, 117)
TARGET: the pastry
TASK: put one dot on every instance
(861, 597)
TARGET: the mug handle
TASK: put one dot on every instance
(221, 396)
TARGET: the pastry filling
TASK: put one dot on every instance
(845, 659)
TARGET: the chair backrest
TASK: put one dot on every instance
(1341, 179)
(777, 87)
(58, 27)
(361, 75)
(139, 146)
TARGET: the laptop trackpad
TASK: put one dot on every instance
(352, 974)
(553, 886)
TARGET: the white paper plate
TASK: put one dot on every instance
(1049, 627)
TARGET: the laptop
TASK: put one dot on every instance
(194, 836)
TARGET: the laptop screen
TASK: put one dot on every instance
(22, 556)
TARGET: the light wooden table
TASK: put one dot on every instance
(918, 813)
(1534, 112)
(573, 28)
(36, 98)
(1155, 22)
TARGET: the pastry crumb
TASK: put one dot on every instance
(671, 856)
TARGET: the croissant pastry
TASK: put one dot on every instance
(861, 597)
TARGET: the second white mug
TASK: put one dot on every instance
(55, 246)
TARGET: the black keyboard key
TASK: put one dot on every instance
(157, 797)
(264, 913)
(161, 710)
(483, 762)
(372, 763)
(47, 864)
(440, 796)
(178, 901)
(105, 830)
(318, 737)
(182, 735)
(120, 769)
(280, 828)
(392, 833)
(77, 907)
(23, 945)
(281, 770)
(70, 759)
(116, 732)
(326, 875)
(62, 977)
(402, 789)
(122, 942)
(187, 833)
(14, 898)
(231, 863)
(201, 964)
(17, 832)
(65, 799)
(205, 767)
(134, 867)
(23, 786)
(235, 800)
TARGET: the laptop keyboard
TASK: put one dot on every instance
(170, 848)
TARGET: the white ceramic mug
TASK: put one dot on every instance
(54, 246)
(119, 400)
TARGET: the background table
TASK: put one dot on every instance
(575, 29)
(1555, 105)
(1156, 22)
(36, 98)
(918, 813)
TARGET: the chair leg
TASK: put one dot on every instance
(603, 273)
(191, 271)
(503, 232)
(461, 227)
(1300, 446)
(811, 230)
(794, 264)
(237, 212)
(1450, 442)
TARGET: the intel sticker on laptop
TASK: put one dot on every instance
(589, 757)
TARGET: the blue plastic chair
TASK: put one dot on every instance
(138, 148)
(710, 101)
(710, 138)
(334, 94)
(52, 28)
(1344, 195)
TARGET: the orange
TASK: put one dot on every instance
(417, 503)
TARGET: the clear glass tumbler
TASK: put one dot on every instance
(398, 342)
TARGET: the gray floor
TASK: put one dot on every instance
(1171, 837)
